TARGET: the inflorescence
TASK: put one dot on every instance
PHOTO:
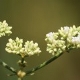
(66, 38)
(58, 42)
(5, 29)
(16, 47)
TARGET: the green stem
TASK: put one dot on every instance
(43, 64)
(7, 67)
(22, 64)
(22, 60)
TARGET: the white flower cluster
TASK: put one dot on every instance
(4, 29)
(68, 32)
(16, 47)
(65, 38)
(71, 35)
(54, 45)
(76, 41)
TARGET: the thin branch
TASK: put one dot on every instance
(7, 67)
(43, 64)
(33, 69)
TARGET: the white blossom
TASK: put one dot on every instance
(50, 37)
(54, 45)
(65, 39)
(5, 29)
(76, 41)
(67, 32)
(31, 48)
(64, 31)
(16, 47)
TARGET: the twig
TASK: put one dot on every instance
(43, 64)
(7, 67)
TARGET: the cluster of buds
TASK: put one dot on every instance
(57, 42)
(16, 47)
(65, 38)
(54, 45)
(4, 29)
(71, 35)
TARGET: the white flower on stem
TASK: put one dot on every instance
(65, 39)
(5, 29)
(16, 47)
(76, 41)
(50, 37)
(73, 38)
(64, 31)
(68, 32)
(54, 45)
(57, 46)
(31, 48)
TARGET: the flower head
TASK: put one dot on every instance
(16, 47)
(4, 29)
(76, 41)
(50, 37)
(65, 39)
(54, 45)
(67, 32)
(31, 48)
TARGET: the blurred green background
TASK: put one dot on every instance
(32, 20)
